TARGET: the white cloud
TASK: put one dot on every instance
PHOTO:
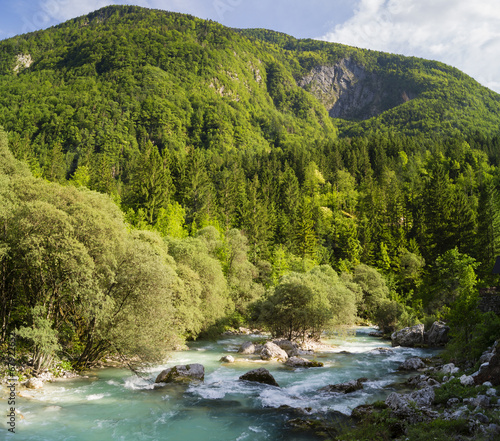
(462, 33)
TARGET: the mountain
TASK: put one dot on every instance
(370, 90)
(110, 80)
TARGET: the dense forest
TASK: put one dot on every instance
(164, 177)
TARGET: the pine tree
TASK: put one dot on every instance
(305, 240)
(488, 231)
(151, 183)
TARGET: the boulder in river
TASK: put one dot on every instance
(260, 375)
(437, 335)
(299, 362)
(291, 348)
(247, 348)
(182, 374)
(227, 359)
(408, 337)
(412, 364)
(345, 388)
(272, 351)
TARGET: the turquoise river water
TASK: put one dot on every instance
(113, 404)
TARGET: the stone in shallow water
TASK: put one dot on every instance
(412, 364)
(273, 351)
(227, 359)
(408, 337)
(260, 375)
(247, 348)
(345, 388)
(182, 374)
(300, 362)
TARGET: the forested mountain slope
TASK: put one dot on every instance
(244, 162)
(104, 84)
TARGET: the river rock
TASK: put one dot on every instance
(437, 335)
(344, 388)
(272, 351)
(260, 375)
(227, 359)
(483, 419)
(291, 348)
(423, 397)
(408, 337)
(299, 362)
(182, 374)
(412, 364)
(247, 348)
(34, 383)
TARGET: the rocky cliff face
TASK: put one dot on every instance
(349, 91)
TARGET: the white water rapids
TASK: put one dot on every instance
(112, 404)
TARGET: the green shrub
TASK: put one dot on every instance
(453, 389)
(437, 430)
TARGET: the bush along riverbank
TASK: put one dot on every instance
(28, 377)
(442, 402)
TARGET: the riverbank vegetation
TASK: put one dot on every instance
(164, 177)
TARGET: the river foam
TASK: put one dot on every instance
(115, 405)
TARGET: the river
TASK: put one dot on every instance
(112, 404)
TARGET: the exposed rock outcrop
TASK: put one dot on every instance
(23, 61)
(182, 374)
(349, 91)
(260, 375)
(408, 337)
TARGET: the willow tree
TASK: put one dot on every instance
(303, 305)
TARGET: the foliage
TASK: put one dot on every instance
(76, 278)
(453, 389)
(43, 337)
(304, 304)
(374, 290)
(239, 183)
(391, 316)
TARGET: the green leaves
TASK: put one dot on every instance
(305, 304)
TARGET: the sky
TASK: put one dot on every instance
(462, 33)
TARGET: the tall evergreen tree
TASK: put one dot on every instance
(151, 183)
